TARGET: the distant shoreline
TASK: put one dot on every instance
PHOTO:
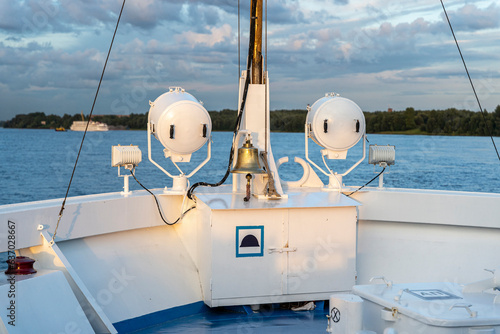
(404, 133)
(449, 122)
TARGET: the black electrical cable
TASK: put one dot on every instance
(231, 153)
(470, 80)
(367, 183)
(240, 111)
(158, 204)
(90, 117)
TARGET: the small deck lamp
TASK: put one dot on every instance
(383, 156)
(128, 157)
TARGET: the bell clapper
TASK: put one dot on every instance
(249, 178)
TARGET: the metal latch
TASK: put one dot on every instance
(281, 250)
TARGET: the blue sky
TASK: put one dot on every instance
(379, 53)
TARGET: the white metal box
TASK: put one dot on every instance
(291, 250)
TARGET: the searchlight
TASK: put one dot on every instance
(336, 124)
(183, 126)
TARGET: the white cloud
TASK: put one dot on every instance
(470, 17)
(214, 36)
(383, 48)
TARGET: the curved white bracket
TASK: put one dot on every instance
(331, 175)
(203, 163)
(209, 155)
(149, 153)
(305, 172)
(360, 160)
(306, 134)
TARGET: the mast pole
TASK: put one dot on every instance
(257, 59)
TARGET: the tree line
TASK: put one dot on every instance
(38, 120)
(435, 122)
(409, 121)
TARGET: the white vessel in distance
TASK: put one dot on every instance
(93, 125)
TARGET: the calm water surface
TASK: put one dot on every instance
(37, 164)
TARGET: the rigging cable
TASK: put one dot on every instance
(240, 110)
(367, 183)
(90, 117)
(470, 80)
(158, 204)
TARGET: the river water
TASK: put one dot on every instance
(37, 164)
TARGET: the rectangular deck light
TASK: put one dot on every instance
(382, 154)
(125, 155)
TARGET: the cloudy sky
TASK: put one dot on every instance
(379, 53)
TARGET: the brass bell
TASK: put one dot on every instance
(248, 160)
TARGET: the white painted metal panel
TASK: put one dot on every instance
(246, 276)
(408, 252)
(134, 273)
(51, 258)
(325, 256)
(254, 116)
(430, 207)
(201, 246)
(87, 216)
(297, 198)
(44, 303)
